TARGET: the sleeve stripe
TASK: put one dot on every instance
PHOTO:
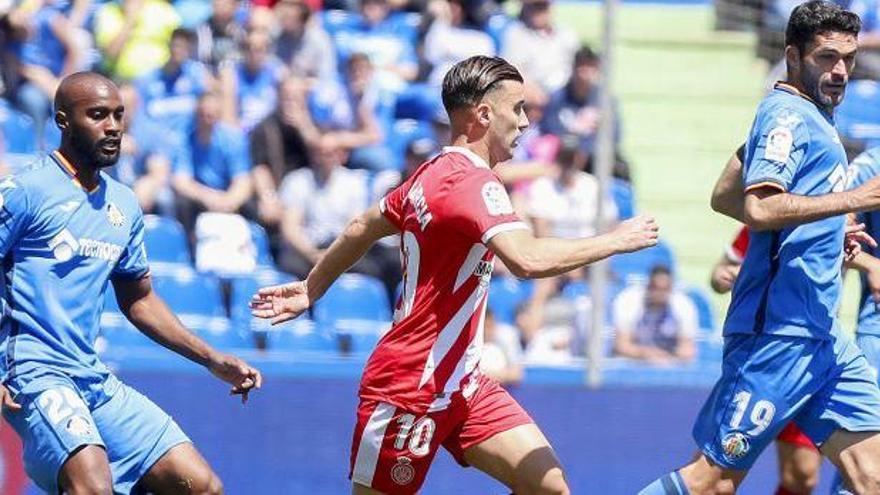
(766, 183)
(382, 206)
(503, 227)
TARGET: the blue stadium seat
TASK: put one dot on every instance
(189, 292)
(301, 336)
(353, 297)
(245, 287)
(505, 295)
(405, 131)
(165, 240)
(701, 300)
(624, 198)
(635, 267)
(116, 330)
(261, 243)
(18, 130)
(858, 116)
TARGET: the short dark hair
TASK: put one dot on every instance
(817, 17)
(585, 56)
(661, 269)
(469, 80)
(187, 34)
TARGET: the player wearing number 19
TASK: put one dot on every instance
(421, 387)
(66, 230)
(785, 355)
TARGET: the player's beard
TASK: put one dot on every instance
(812, 84)
(93, 151)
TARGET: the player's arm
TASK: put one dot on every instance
(727, 196)
(285, 302)
(146, 310)
(528, 256)
(624, 346)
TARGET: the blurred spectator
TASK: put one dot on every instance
(278, 147)
(455, 34)
(656, 324)
(145, 156)
(386, 38)
(218, 38)
(212, 172)
(502, 353)
(541, 50)
(302, 44)
(171, 91)
(134, 34)
(319, 201)
(45, 48)
(574, 109)
(250, 86)
(868, 58)
(566, 205)
(356, 115)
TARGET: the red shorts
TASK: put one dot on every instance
(793, 435)
(392, 448)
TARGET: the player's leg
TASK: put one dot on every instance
(86, 472)
(857, 457)
(499, 438)
(522, 459)
(359, 489)
(799, 462)
(798, 468)
(182, 470)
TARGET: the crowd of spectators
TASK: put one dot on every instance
(297, 114)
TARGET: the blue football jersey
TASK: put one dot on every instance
(790, 280)
(60, 245)
(864, 167)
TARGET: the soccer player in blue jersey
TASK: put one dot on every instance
(66, 230)
(785, 358)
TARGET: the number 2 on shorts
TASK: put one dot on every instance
(59, 403)
(761, 416)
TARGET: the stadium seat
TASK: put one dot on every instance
(705, 314)
(505, 295)
(18, 130)
(624, 198)
(244, 287)
(635, 267)
(189, 292)
(301, 336)
(405, 131)
(116, 330)
(858, 116)
(165, 240)
(261, 242)
(353, 297)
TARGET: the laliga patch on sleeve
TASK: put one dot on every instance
(779, 144)
(496, 199)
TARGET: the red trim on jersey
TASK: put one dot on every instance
(736, 252)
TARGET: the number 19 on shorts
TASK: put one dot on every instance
(761, 414)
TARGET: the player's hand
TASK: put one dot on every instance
(724, 277)
(854, 237)
(237, 373)
(6, 401)
(636, 233)
(280, 303)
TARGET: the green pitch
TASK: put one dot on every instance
(687, 96)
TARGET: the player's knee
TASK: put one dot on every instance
(553, 483)
(89, 484)
(207, 483)
(800, 479)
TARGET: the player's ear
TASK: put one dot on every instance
(483, 111)
(61, 120)
(793, 58)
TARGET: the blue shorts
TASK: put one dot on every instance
(768, 380)
(61, 414)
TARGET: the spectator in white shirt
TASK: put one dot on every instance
(656, 323)
(502, 353)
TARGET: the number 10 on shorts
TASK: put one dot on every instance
(761, 415)
(419, 433)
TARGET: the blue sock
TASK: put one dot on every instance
(670, 484)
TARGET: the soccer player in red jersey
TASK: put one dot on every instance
(421, 387)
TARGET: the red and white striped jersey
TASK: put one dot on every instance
(446, 212)
(736, 252)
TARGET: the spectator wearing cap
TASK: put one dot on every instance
(133, 35)
(540, 49)
(356, 114)
(212, 172)
(302, 44)
(574, 109)
(250, 86)
(655, 323)
(217, 39)
(279, 146)
(170, 92)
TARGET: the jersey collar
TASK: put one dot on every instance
(788, 88)
(70, 170)
(473, 157)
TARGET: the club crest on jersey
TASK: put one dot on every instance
(735, 446)
(496, 199)
(115, 215)
(79, 426)
(403, 472)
